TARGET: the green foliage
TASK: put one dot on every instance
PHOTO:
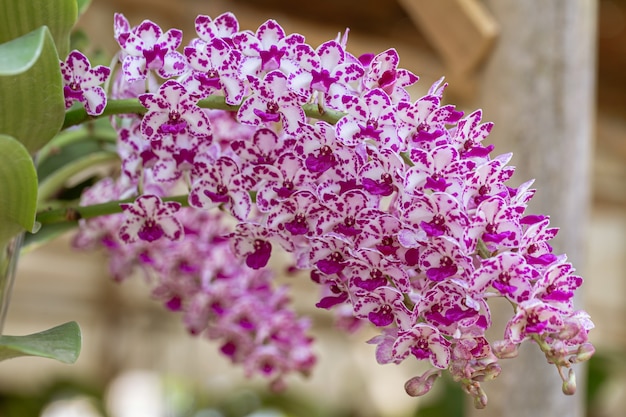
(18, 188)
(32, 404)
(62, 343)
(48, 233)
(19, 17)
(606, 369)
(449, 402)
(82, 6)
(32, 102)
(33, 34)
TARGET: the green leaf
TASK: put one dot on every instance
(31, 99)
(32, 103)
(82, 6)
(62, 343)
(73, 144)
(57, 180)
(18, 188)
(47, 233)
(19, 17)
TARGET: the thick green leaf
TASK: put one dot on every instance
(18, 188)
(82, 6)
(19, 17)
(31, 98)
(62, 343)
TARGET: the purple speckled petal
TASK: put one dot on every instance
(147, 33)
(270, 33)
(95, 100)
(331, 54)
(78, 62)
(171, 39)
(292, 116)
(174, 65)
(246, 114)
(134, 68)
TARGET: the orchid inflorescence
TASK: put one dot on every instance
(395, 206)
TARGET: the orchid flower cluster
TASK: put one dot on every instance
(246, 144)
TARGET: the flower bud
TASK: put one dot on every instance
(490, 372)
(569, 331)
(505, 349)
(584, 353)
(480, 398)
(569, 386)
(420, 385)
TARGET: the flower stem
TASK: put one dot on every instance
(482, 249)
(75, 213)
(330, 116)
(78, 116)
(123, 106)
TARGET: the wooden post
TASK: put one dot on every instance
(538, 87)
(462, 31)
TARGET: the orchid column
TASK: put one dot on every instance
(538, 88)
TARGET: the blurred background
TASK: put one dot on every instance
(137, 360)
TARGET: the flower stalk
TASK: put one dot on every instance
(74, 213)
(78, 116)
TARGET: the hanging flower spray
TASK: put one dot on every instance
(242, 144)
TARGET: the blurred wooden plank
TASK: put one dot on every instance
(462, 31)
